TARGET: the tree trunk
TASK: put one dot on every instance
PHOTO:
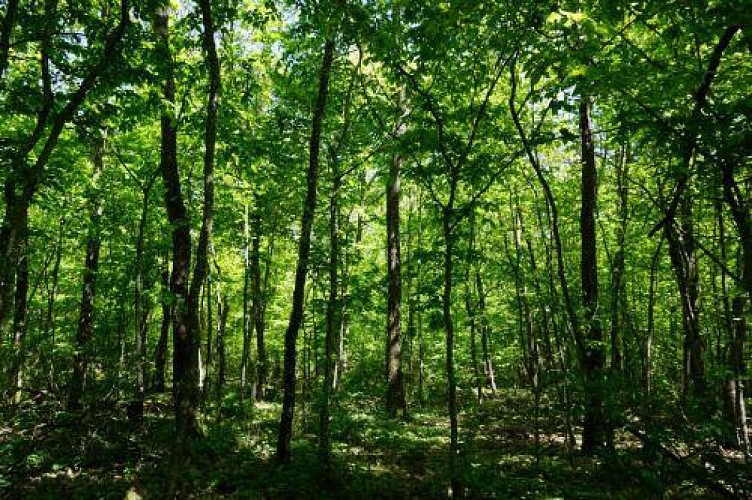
(247, 317)
(681, 249)
(743, 222)
(141, 309)
(19, 325)
(223, 312)
(304, 247)
(617, 275)
(456, 489)
(488, 368)
(734, 403)
(160, 354)
(49, 321)
(647, 354)
(185, 347)
(395, 394)
(594, 429)
(262, 363)
(333, 320)
(85, 329)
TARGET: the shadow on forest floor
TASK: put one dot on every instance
(47, 453)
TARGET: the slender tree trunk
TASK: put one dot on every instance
(448, 235)
(49, 321)
(594, 428)
(223, 311)
(647, 372)
(743, 222)
(247, 317)
(160, 354)
(206, 360)
(683, 256)
(734, 404)
(262, 363)
(395, 395)
(185, 347)
(617, 275)
(488, 367)
(528, 343)
(472, 312)
(85, 330)
(19, 325)
(304, 247)
(140, 307)
(333, 319)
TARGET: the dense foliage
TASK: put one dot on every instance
(387, 248)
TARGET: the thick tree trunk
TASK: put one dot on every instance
(85, 330)
(13, 233)
(304, 248)
(594, 429)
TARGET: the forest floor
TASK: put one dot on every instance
(47, 453)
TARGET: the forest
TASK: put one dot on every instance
(375, 248)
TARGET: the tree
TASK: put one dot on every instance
(304, 247)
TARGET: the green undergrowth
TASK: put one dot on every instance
(48, 453)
